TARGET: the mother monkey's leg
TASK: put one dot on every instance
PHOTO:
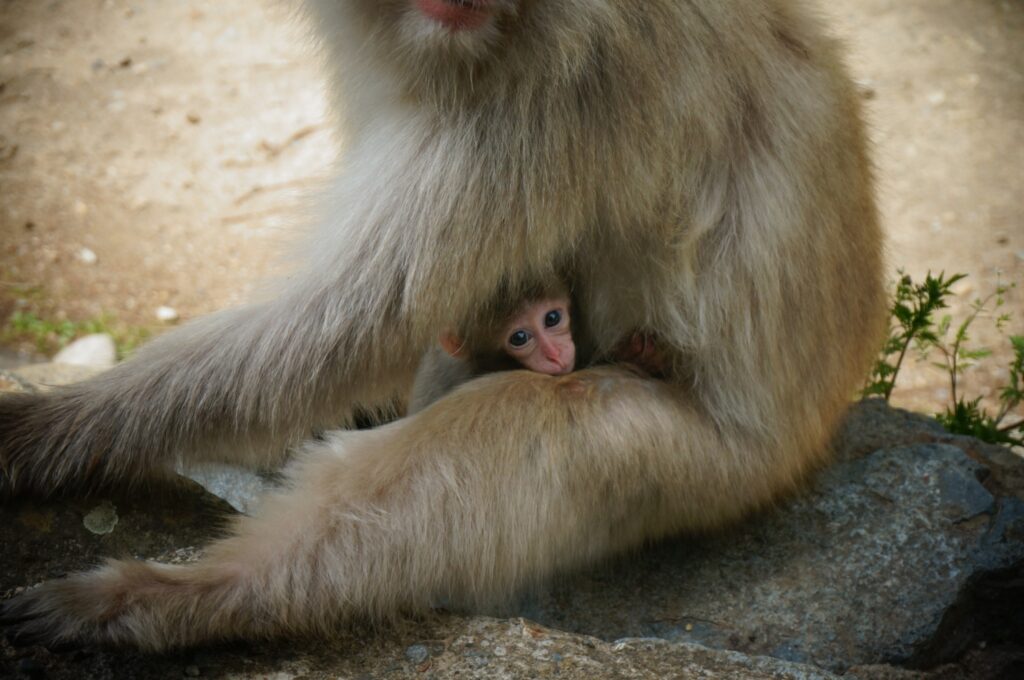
(390, 521)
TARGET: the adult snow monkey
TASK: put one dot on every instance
(696, 167)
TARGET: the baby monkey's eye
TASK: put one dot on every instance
(519, 338)
(552, 318)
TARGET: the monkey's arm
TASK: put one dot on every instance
(242, 384)
(238, 385)
(439, 373)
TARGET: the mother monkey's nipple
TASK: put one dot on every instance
(458, 15)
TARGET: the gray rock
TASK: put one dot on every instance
(41, 377)
(417, 653)
(483, 648)
(907, 550)
(96, 350)
(10, 382)
(869, 565)
(241, 487)
(10, 359)
(102, 519)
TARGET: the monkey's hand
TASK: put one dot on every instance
(643, 351)
(238, 386)
(126, 603)
(84, 608)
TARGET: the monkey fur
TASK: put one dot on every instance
(695, 167)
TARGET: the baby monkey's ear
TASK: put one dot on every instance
(453, 344)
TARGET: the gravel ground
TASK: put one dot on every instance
(156, 154)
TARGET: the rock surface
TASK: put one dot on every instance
(866, 566)
(909, 550)
(448, 647)
(48, 539)
(97, 350)
(41, 377)
(240, 487)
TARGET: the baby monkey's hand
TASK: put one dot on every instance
(643, 350)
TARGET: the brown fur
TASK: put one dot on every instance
(696, 167)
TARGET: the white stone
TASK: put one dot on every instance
(240, 487)
(87, 256)
(92, 350)
(166, 314)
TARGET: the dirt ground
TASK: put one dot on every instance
(156, 153)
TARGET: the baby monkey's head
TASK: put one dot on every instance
(535, 333)
(539, 336)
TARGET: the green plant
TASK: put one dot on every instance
(912, 309)
(50, 335)
(912, 312)
(967, 416)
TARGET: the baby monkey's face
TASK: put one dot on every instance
(540, 339)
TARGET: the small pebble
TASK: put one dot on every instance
(97, 350)
(417, 653)
(87, 256)
(166, 314)
(102, 519)
(192, 671)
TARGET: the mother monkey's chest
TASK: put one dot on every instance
(555, 186)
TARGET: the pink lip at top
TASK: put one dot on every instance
(455, 15)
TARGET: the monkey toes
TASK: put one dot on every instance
(86, 607)
(32, 619)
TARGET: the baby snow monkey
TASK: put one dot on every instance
(536, 336)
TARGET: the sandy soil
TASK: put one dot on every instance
(173, 142)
